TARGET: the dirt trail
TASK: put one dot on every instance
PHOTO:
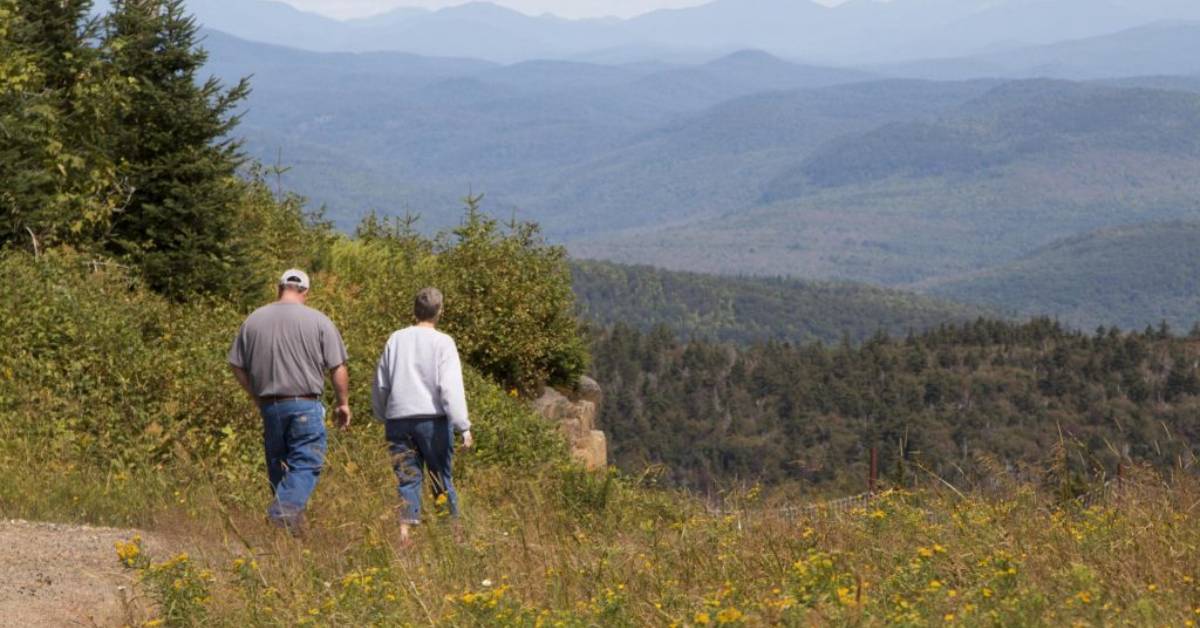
(61, 575)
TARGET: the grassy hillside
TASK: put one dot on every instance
(1013, 170)
(147, 429)
(745, 310)
(1129, 276)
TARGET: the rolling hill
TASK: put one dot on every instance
(748, 310)
(392, 130)
(1025, 120)
(1016, 169)
(1160, 48)
(1129, 276)
(723, 157)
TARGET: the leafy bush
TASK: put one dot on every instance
(509, 303)
(103, 372)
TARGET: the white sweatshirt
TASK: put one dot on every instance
(420, 376)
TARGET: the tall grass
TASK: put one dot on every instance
(116, 409)
(559, 546)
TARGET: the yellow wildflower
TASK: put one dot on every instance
(729, 616)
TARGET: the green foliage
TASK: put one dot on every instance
(509, 304)
(57, 100)
(745, 310)
(105, 374)
(513, 316)
(173, 150)
(1129, 276)
(953, 400)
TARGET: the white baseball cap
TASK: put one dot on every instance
(294, 277)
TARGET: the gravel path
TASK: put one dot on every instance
(61, 575)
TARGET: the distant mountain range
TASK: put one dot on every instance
(751, 164)
(915, 203)
(1159, 48)
(1129, 276)
(855, 32)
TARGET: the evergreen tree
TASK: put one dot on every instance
(57, 100)
(174, 151)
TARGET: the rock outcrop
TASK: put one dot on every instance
(576, 416)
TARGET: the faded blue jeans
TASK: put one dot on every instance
(295, 443)
(419, 446)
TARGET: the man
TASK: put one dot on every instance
(418, 392)
(280, 357)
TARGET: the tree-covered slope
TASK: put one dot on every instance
(960, 401)
(1130, 276)
(1016, 169)
(722, 158)
(745, 310)
(1048, 121)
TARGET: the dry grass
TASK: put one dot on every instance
(563, 547)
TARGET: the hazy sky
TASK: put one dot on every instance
(565, 8)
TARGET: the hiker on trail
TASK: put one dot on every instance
(418, 393)
(280, 357)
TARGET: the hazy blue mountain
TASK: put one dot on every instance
(1019, 121)
(909, 202)
(1130, 276)
(483, 30)
(269, 21)
(856, 32)
(723, 157)
(399, 123)
(899, 182)
(1162, 48)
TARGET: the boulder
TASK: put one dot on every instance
(589, 390)
(577, 420)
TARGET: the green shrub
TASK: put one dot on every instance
(103, 373)
(509, 303)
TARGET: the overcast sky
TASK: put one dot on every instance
(565, 8)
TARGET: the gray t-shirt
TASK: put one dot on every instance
(286, 349)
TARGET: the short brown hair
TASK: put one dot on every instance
(428, 304)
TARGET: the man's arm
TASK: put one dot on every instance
(454, 396)
(340, 376)
(243, 378)
(381, 388)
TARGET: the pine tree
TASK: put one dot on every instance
(56, 106)
(173, 149)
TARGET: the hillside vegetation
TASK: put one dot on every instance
(120, 301)
(957, 400)
(1011, 171)
(746, 310)
(1129, 276)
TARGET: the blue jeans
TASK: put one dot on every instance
(417, 446)
(294, 439)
